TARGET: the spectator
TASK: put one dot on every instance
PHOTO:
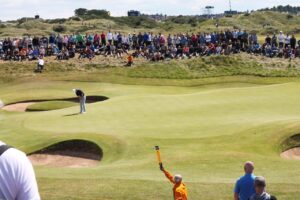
(244, 187)
(260, 190)
(268, 40)
(129, 60)
(287, 40)
(179, 189)
(274, 40)
(281, 39)
(103, 39)
(17, 177)
(293, 42)
(151, 46)
(40, 66)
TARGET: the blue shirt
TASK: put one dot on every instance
(245, 186)
(146, 37)
(213, 38)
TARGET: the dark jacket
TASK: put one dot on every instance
(79, 93)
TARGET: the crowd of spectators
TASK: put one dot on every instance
(151, 46)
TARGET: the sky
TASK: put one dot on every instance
(49, 9)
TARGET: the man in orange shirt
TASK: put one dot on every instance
(179, 189)
(129, 60)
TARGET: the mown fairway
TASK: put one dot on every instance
(205, 133)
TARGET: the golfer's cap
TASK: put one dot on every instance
(74, 90)
(280, 32)
(260, 181)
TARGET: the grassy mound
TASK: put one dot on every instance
(75, 148)
(260, 21)
(291, 142)
(112, 70)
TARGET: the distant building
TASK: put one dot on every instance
(231, 12)
(36, 17)
(133, 13)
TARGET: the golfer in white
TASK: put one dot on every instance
(82, 99)
(17, 178)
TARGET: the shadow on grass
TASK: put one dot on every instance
(70, 115)
(89, 99)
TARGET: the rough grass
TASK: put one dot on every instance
(111, 69)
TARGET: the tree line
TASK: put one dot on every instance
(287, 9)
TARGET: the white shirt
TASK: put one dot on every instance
(124, 39)
(287, 40)
(115, 36)
(207, 38)
(281, 38)
(235, 34)
(17, 178)
(109, 36)
(14, 43)
(41, 62)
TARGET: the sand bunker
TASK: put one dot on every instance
(293, 153)
(71, 153)
(17, 107)
(61, 161)
(23, 105)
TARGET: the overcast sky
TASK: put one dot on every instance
(14, 9)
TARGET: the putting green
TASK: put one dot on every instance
(205, 133)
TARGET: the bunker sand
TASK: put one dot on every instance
(18, 107)
(293, 154)
(71, 153)
(61, 161)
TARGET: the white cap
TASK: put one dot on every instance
(74, 90)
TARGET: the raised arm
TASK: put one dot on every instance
(169, 176)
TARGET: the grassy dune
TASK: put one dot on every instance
(273, 21)
(176, 72)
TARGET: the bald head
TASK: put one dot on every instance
(249, 167)
(177, 178)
